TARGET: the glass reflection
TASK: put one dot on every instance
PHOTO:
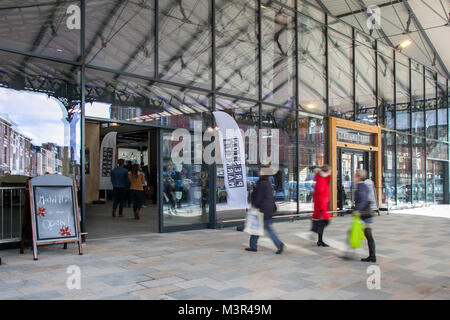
(278, 63)
(389, 163)
(442, 109)
(365, 78)
(123, 38)
(403, 101)
(185, 42)
(418, 168)
(279, 131)
(185, 187)
(311, 136)
(143, 102)
(48, 28)
(340, 73)
(403, 170)
(417, 108)
(430, 105)
(386, 91)
(312, 81)
(236, 47)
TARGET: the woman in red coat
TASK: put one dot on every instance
(321, 198)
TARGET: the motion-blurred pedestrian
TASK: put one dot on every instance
(321, 197)
(364, 205)
(262, 199)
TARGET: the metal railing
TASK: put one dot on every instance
(12, 206)
(280, 216)
(292, 216)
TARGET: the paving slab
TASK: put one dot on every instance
(413, 262)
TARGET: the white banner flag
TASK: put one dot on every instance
(233, 159)
(107, 156)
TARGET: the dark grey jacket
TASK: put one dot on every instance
(362, 202)
(262, 198)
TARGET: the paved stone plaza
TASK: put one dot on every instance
(413, 256)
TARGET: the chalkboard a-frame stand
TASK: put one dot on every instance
(54, 211)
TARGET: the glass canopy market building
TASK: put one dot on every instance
(73, 71)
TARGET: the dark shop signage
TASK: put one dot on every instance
(345, 135)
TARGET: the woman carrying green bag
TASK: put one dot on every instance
(363, 206)
(356, 235)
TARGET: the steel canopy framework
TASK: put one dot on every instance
(426, 23)
(189, 57)
(119, 27)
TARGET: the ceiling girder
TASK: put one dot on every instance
(381, 5)
(379, 30)
(427, 39)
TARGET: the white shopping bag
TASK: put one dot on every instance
(254, 222)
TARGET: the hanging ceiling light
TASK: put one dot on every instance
(405, 43)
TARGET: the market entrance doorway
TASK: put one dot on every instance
(437, 181)
(350, 160)
(352, 146)
(135, 145)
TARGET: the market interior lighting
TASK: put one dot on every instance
(310, 106)
(405, 43)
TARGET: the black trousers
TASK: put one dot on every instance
(137, 196)
(370, 242)
(119, 198)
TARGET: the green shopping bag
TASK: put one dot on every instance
(356, 233)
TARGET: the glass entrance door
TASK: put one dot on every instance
(184, 184)
(436, 181)
(348, 162)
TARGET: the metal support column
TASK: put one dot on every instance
(213, 168)
(448, 145)
(411, 139)
(425, 132)
(395, 126)
(156, 35)
(297, 99)
(327, 94)
(355, 109)
(436, 107)
(327, 72)
(377, 114)
(83, 122)
(259, 22)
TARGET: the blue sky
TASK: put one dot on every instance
(40, 117)
(37, 116)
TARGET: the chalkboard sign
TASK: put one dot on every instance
(55, 217)
(54, 211)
